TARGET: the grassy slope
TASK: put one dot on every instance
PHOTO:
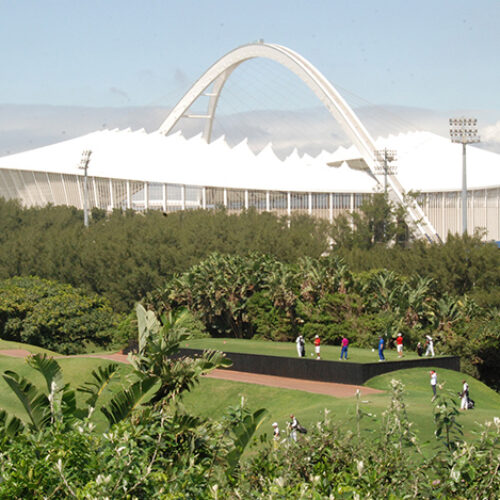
(288, 349)
(211, 397)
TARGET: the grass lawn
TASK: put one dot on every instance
(212, 397)
(288, 349)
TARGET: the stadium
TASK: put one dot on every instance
(166, 171)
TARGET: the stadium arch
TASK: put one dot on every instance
(221, 70)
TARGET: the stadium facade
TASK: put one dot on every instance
(160, 170)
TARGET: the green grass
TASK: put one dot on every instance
(288, 349)
(212, 397)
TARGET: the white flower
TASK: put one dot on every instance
(280, 481)
(101, 479)
(215, 490)
(360, 466)
(455, 474)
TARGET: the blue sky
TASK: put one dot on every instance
(434, 54)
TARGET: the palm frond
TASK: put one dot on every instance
(35, 403)
(101, 379)
(124, 403)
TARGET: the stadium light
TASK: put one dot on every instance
(464, 131)
(383, 160)
(84, 165)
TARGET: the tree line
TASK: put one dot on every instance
(126, 254)
(260, 274)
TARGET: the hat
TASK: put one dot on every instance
(316, 336)
(399, 334)
(275, 424)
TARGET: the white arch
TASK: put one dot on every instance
(220, 71)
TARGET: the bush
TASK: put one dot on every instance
(54, 316)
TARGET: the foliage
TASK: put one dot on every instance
(157, 450)
(386, 463)
(125, 255)
(54, 316)
(256, 295)
(377, 221)
(258, 274)
(151, 448)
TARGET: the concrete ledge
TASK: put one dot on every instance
(342, 372)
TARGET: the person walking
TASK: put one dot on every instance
(301, 346)
(420, 349)
(345, 345)
(430, 346)
(317, 342)
(292, 425)
(381, 345)
(276, 434)
(464, 402)
(399, 345)
(434, 379)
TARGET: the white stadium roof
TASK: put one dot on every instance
(425, 162)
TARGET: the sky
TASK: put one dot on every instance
(438, 55)
(433, 54)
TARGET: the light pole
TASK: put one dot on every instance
(84, 165)
(464, 131)
(383, 158)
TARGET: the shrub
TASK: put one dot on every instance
(54, 316)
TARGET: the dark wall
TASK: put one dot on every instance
(343, 372)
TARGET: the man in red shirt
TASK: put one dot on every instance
(317, 342)
(399, 345)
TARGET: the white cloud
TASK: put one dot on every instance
(491, 133)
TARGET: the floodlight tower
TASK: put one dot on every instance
(464, 131)
(84, 165)
(383, 159)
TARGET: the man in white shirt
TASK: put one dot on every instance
(430, 346)
(300, 346)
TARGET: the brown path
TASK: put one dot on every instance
(328, 388)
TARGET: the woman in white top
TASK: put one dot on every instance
(434, 378)
(464, 402)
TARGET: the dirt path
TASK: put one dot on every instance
(328, 388)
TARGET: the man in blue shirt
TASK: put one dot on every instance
(381, 349)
